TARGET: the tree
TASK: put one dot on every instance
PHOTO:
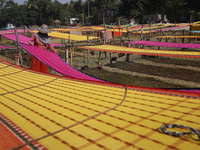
(31, 4)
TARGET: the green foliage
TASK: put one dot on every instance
(46, 11)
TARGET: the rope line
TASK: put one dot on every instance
(163, 129)
(91, 117)
(6, 65)
(33, 86)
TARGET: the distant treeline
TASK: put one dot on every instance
(94, 12)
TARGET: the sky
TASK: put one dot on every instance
(22, 1)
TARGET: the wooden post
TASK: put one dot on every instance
(127, 33)
(88, 51)
(128, 55)
(150, 33)
(159, 41)
(183, 35)
(113, 36)
(110, 57)
(111, 53)
(104, 35)
(70, 49)
(99, 61)
(119, 28)
(66, 54)
(20, 51)
(24, 30)
(17, 60)
(1, 39)
(175, 40)
(67, 50)
(84, 57)
(72, 55)
(16, 35)
(141, 33)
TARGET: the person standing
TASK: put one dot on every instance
(41, 40)
(131, 24)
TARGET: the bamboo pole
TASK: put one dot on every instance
(111, 53)
(159, 41)
(66, 54)
(128, 55)
(88, 51)
(110, 57)
(72, 55)
(1, 39)
(67, 50)
(99, 61)
(141, 33)
(150, 33)
(20, 51)
(70, 49)
(183, 35)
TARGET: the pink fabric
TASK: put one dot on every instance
(140, 26)
(12, 31)
(24, 39)
(6, 47)
(137, 27)
(166, 44)
(52, 60)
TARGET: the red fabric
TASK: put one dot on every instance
(38, 65)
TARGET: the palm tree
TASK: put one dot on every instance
(2, 2)
(51, 8)
(31, 4)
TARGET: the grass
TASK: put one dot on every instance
(122, 78)
(174, 73)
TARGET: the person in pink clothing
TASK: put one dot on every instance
(41, 40)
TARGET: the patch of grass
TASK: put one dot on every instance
(183, 62)
(176, 73)
(128, 79)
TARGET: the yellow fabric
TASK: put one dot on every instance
(138, 50)
(64, 30)
(195, 27)
(41, 104)
(117, 30)
(178, 37)
(197, 22)
(124, 30)
(72, 37)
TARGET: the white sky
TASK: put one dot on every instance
(22, 1)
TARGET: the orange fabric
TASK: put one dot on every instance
(8, 140)
(194, 28)
(117, 33)
(38, 65)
